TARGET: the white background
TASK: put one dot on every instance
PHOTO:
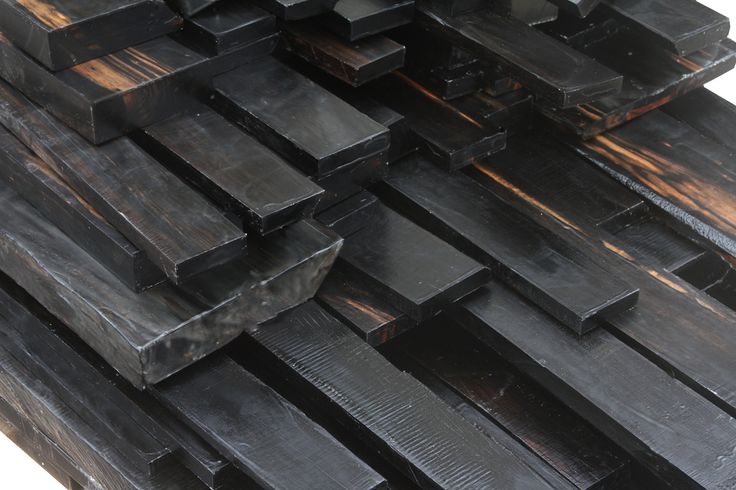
(18, 471)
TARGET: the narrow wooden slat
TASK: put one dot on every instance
(356, 19)
(546, 67)
(292, 115)
(353, 62)
(709, 114)
(63, 33)
(259, 431)
(409, 268)
(559, 278)
(232, 168)
(392, 412)
(131, 190)
(649, 418)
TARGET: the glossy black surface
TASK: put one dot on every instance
(531, 12)
(357, 19)
(349, 181)
(581, 8)
(295, 9)
(191, 7)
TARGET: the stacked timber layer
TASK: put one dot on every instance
(362, 244)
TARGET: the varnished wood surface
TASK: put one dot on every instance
(63, 33)
(357, 19)
(179, 230)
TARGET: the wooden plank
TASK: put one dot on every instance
(296, 9)
(682, 26)
(449, 83)
(352, 302)
(531, 12)
(40, 185)
(445, 133)
(649, 418)
(553, 274)
(191, 7)
(652, 77)
(352, 62)
(356, 19)
(131, 190)
(402, 141)
(347, 182)
(692, 179)
(392, 412)
(408, 267)
(581, 33)
(264, 435)
(151, 335)
(511, 111)
(227, 25)
(581, 8)
(233, 169)
(309, 126)
(548, 68)
(63, 33)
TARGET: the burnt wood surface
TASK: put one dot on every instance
(356, 19)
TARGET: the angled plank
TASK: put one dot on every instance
(309, 126)
(131, 190)
(264, 435)
(408, 267)
(238, 173)
(555, 275)
(295, 9)
(545, 66)
(393, 413)
(352, 62)
(649, 417)
(356, 19)
(63, 33)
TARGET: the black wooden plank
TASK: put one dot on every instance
(312, 128)
(691, 178)
(582, 33)
(351, 180)
(445, 133)
(151, 335)
(238, 173)
(552, 273)
(581, 8)
(352, 302)
(264, 435)
(682, 26)
(356, 19)
(296, 9)
(191, 7)
(652, 77)
(352, 62)
(531, 12)
(511, 110)
(392, 412)
(642, 408)
(449, 83)
(62, 33)
(40, 185)
(402, 141)
(227, 25)
(408, 267)
(545, 66)
(178, 229)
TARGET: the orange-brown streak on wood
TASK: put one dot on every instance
(370, 311)
(117, 75)
(45, 13)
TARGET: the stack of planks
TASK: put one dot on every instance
(360, 244)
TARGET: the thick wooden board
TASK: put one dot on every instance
(395, 414)
(264, 435)
(581, 8)
(178, 229)
(63, 33)
(549, 271)
(511, 110)
(545, 66)
(691, 178)
(408, 267)
(238, 173)
(356, 19)
(191, 7)
(227, 25)
(308, 125)
(352, 62)
(445, 133)
(296, 9)
(682, 26)
(40, 185)
(347, 182)
(649, 417)
(149, 336)
(653, 76)
(580, 33)
(531, 12)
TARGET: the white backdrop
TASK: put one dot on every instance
(18, 471)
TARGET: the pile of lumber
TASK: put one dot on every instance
(358, 244)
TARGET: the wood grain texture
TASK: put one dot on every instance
(558, 277)
(309, 126)
(352, 62)
(233, 169)
(649, 418)
(548, 68)
(357, 19)
(179, 230)
(682, 26)
(408, 267)
(264, 435)
(391, 411)
(63, 33)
